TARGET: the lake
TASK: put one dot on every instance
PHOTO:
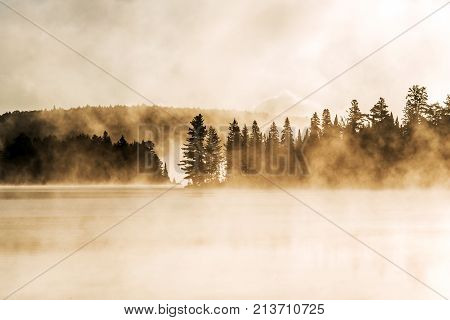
(223, 244)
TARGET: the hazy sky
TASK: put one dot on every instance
(225, 54)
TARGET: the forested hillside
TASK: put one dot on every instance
(116, 120)
(80, 159)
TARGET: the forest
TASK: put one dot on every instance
(374, 149)
(60, 145)
(80, 159)
(359, 150)
(117, 120)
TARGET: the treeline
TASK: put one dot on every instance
(117, 120)
(79, 159)
(360, 149)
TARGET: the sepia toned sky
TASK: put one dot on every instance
(222, 54)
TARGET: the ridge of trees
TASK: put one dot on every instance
(362, 149)
(117, 120)
(80, 159)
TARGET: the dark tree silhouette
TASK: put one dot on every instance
(78, 159)
(193, 163)
(213, 156)
(255, 149)
(244, 150)
(360, 150)
(327, 126)
(415, 109)
(233, 147)
(354, 118)
(379, 114)
(272, 147)
(336, 128)
(314, 130)
(288, 149)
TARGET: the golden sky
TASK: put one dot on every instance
(224, 54)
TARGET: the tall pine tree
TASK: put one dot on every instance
(288, 148)
(213, 156)
(354, 119)
(255, 149)
(193, 163)
(272, 148)
(244, 150)
(379, 114)
(326, 123)
(415, 109)
(233, 147)
(314, 130)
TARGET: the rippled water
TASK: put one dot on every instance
(241, 244)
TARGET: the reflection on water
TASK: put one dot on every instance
(207, 244)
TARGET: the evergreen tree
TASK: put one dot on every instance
(193, 163)
(122, 148)
(244, 150)
(354, 119)
(149, 161)
(379, 113)
(299, 151)
(314, 130)
(299, 140)
(288, 148)
(390, 126)
(445, 117)
(106, 139)
(336, 128)
(255, 135)
(306, 135)
(391, 119)
(274, 138)
(233, 148)
(415, 109)
(306, 143)
(287, 136)
(336, 121)
(272, 148)
(434, 114)
(274, 135)
(255, 149)
(213, 156)
(122, 143)
(326, 123)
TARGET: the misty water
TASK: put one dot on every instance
(231, 244)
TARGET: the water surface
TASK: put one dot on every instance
(228, 244)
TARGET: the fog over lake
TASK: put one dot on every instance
(223, 244)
